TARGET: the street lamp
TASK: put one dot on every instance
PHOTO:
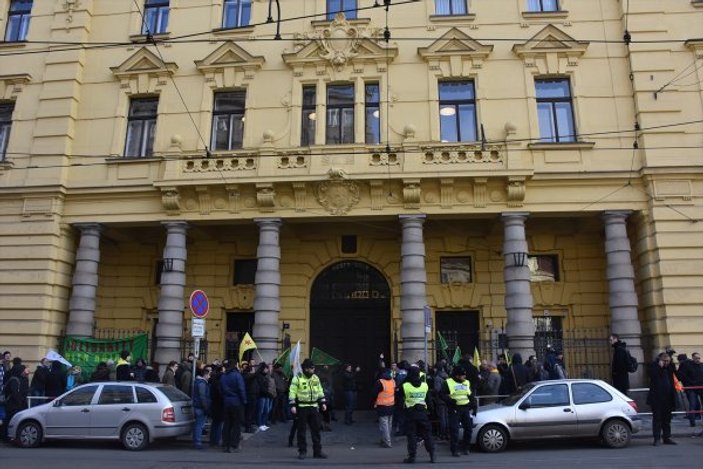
(519, 259)
(168, 264)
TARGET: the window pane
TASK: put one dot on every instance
(547, 131)
(307, 136)
(4, 139)
(552, 395)
(230, 101)
(447, 125)
(116, 394)
(550, 5)
(350, 6)
(333, 6)
(588, 393)
(372, 94)
(134, 134)
(340, 95)
(456, 90)
(246, 13)
(552, 88)
(23, 6)
(220, 129)
(467, 120)
(441, 7)
(309, 95)
(162, 26)
(348, 125)
(565, 123)
(245, 271)
(534, 5)
(237, 124)
(373, 127)
(13, 28)
(333, 124)
(144, 396)
(143, 107)
(458, 7)
(81, 396)
(149, 131)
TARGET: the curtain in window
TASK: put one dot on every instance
(441, 7)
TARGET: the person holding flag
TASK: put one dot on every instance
(246, 344)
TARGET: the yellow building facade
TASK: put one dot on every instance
(515, 168)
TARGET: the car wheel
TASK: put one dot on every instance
(493, 438)
(29, 435)
(135, 437)
(616, 434)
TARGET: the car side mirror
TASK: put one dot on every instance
(57, 403)
(524, 405)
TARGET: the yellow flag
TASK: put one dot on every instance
(477, 358)
(247, 344)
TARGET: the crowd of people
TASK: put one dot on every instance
(420, 402)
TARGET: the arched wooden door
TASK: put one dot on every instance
(350, 318)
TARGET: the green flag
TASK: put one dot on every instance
(442, 345)
(457, 355)
(319, 357)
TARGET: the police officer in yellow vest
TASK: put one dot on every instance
(305, 397)
(456, 392)
(414, 398)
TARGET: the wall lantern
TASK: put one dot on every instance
(168, 264)
(519, 259)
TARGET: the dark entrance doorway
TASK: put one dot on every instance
(350, 318)
(458, 328)
(238, 324)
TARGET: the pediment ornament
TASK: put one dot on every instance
(453, 45)
(143, 72)
(340, 43)
(551, 50)
(229, 65)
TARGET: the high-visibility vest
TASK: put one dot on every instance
(387, 396)
(459, 391)
(415, 396)
(306, 392)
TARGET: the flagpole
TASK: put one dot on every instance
(260, 357)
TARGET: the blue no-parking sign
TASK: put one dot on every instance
(199, 304)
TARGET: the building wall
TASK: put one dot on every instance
(64, 163)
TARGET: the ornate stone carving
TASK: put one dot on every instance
(301, 196)
(236, 163)
(376, 195)
(480, 192)
(337, 195)
(446, 193)
(171, 200)
(265, 195)
(411, 193)
(204, 200)
(516, 191)
(384, 159)
(233, 195)
(464, 154)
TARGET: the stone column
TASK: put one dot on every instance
(85, 282)
(520, 328)
(267, 304)
(622, 297)
(169, 330)
(413, 283)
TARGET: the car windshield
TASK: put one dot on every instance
(512, 400)
(173, 394)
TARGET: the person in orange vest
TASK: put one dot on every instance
(384, 389)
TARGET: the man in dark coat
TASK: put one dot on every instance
(56, 381)
(16, 391)
(691, 375)
(661, 398)
(234, 397)
(38, 385)
(620, 367)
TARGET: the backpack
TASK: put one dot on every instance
(631, 363)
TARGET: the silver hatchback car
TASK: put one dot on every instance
(558, 409)
(134, 413)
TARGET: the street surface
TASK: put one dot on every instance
(354, 446)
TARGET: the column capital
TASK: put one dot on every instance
(175, 225)
(515, 215)
(268, 221)
(612, 215)
(90, 227)
(410, 217)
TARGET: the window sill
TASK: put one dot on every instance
(142, 38)
(452, 18)
(237, 31)
(353, 22)
(697, 3)
(12, 44)
(532, 15)
(561, 146)
(131, 159)
(5, 165)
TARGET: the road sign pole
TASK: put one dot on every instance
(196, 353)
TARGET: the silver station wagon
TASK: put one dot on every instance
(134, 413)
(558, 409)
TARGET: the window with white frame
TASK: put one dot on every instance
(155, 16)
(542, 5)
(237, 13)
(141, 127)
(555, 110)
(372, 116)
(450, 7)
(457, 111)
(5, 127)
(340, 114)
(228, 120)
(18, 20)
(309, 115)
(348, 7)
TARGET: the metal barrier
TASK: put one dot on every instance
(32, 400)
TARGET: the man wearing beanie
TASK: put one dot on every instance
(305, 396)
(456, 392)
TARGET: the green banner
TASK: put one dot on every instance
(87, 352)
(319, 357)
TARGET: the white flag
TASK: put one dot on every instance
(295, 360)
(54, 356)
